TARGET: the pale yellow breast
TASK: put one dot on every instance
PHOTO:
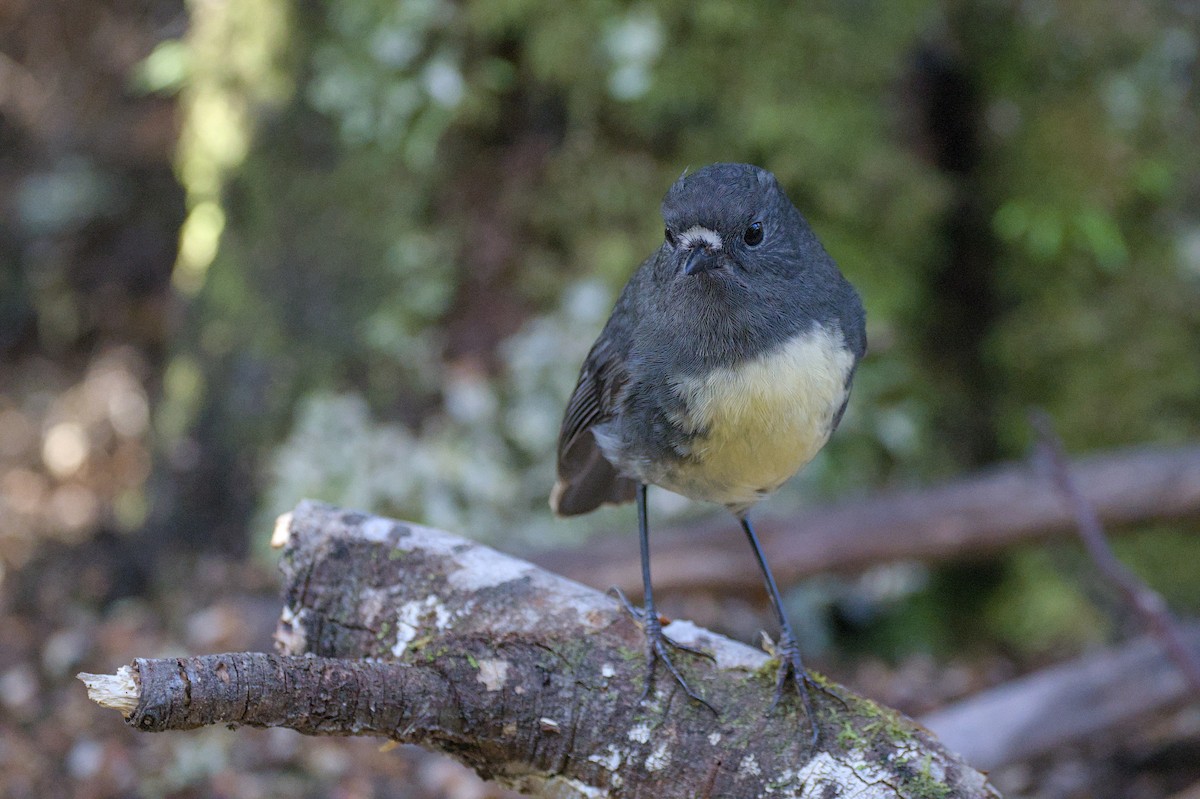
(762, 420)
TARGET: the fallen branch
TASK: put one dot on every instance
(1067, 702)
(1070, 701)
(401, 631)
(258, 689)
(964, 518)
(1146, 602)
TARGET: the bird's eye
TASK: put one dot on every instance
(753, 235)
(669, 236)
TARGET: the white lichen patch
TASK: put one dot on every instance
(714, 738)
(728, 654)
(291, 635)
(610, 759)
(372, 603)
(405, 633)
(640, 733)
(412, 616)
(749, 767)
(493, 673)
(414, 537)
(481, 567)
(442, 615)
(379, 529)
(851, 776)
(935, 768)
(585, 791)
(659, 759)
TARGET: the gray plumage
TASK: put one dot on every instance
(628, 420)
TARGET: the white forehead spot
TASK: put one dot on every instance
(697, 234)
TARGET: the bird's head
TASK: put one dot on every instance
(729, 222)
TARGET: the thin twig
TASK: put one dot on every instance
(1148, 603)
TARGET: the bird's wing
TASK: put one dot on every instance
(855, 335)
(586, 479)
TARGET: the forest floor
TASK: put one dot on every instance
(68, 611)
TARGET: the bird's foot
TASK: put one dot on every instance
(658, 645)
(791, 669)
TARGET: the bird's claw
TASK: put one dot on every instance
(657, 643)
(790, 665)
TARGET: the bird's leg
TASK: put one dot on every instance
(788, 651)
(656, 640)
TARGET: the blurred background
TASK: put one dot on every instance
(262, 250)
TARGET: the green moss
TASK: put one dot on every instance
(886, 723)
(921, 784)
(848, 736)
(630, 654)
(420, 647)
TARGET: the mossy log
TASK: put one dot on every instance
(400, 631)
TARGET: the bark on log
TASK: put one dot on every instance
(964, 518)
(397, 630)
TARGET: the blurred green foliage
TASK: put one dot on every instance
(424, 210)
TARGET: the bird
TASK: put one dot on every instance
(724, 368)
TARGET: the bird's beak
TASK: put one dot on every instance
(701, 259)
